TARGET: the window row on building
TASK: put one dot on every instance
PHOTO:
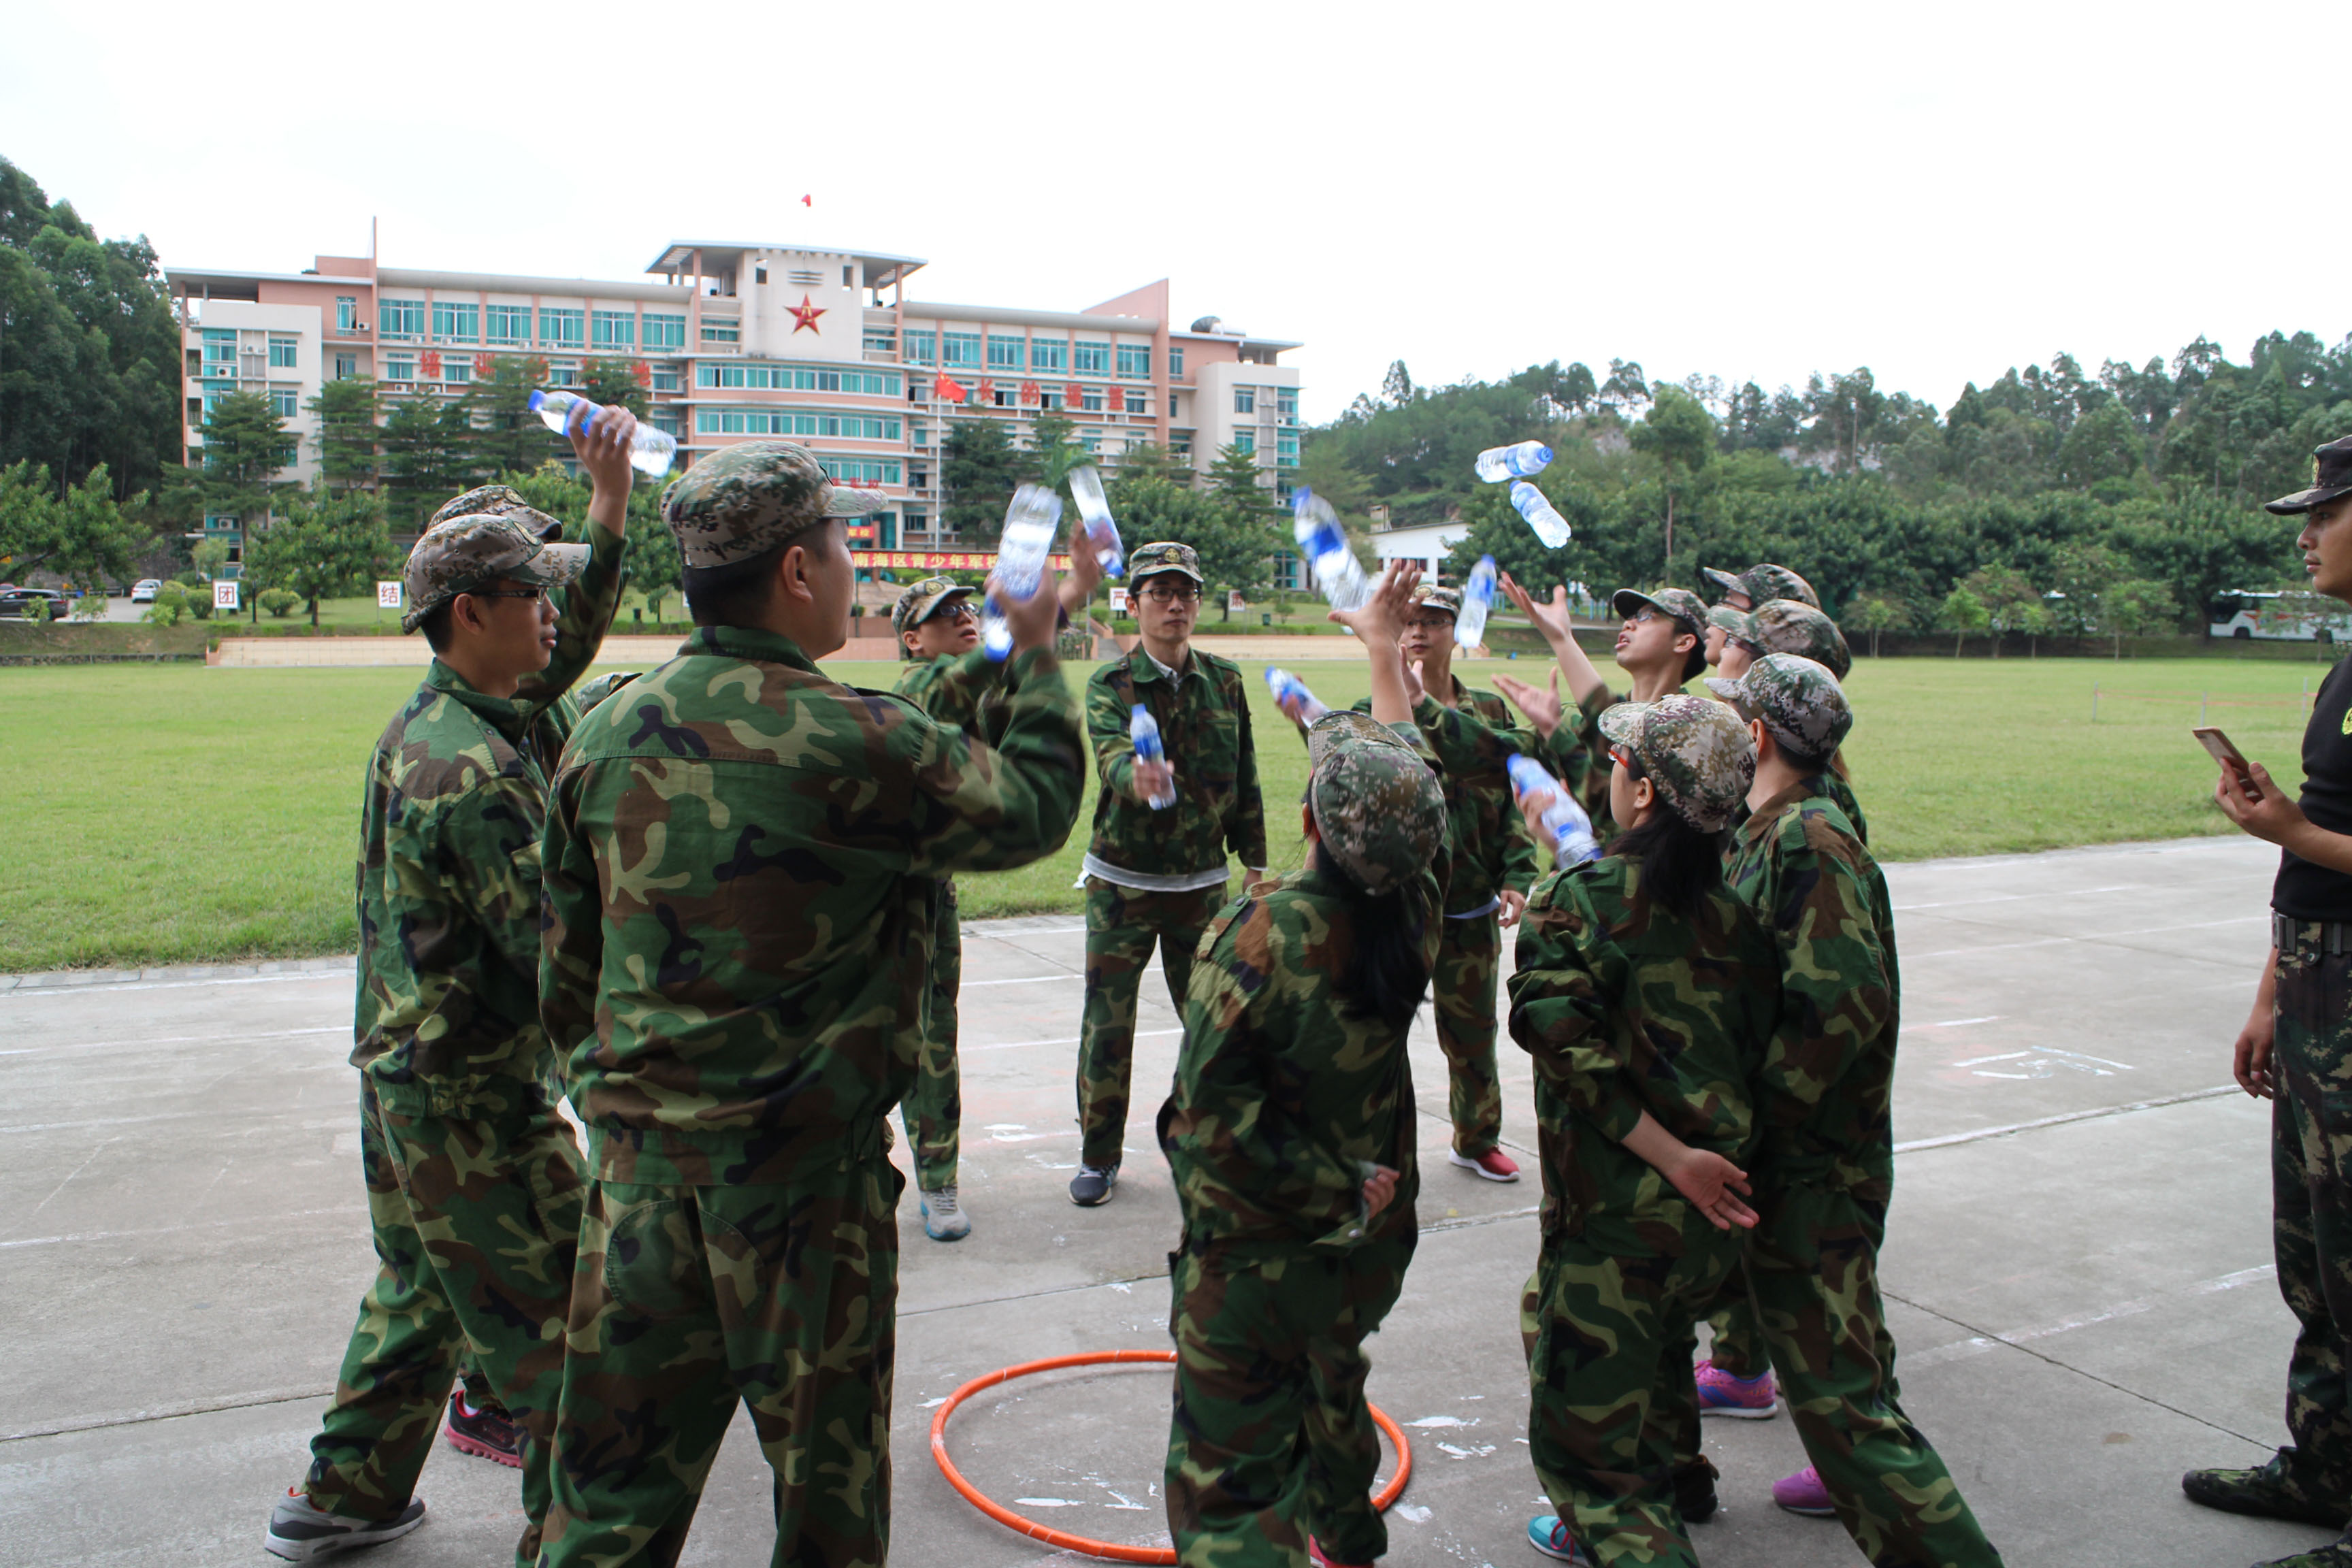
(1017, 352)
(799, 378)
(552, 326)
(794, 422)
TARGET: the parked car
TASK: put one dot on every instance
(18, 603)
(142, 592)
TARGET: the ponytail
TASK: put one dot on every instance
(1680, 865)
(1386, 973)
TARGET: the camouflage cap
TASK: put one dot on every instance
(500, 500)
(1764, 582)
(1428, 596)
(1675, 604)
(916, 605)
(1737, 624)
(1784, 625)
(1376, 804)
(1797, 698)
(2331, 476)
(752, 498)
(1694, 751)
(463, 555)
(1163, 555)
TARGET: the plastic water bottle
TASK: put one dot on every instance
(1030, 524)
(1290, 694)
(1324, 544)
(1478, 598)
(1571, 830)
(1550, 526)
(1143, 729)
(651, 451)
(1496, 464)
(1094, 513)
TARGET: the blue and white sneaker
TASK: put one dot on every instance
(1548, 1533)
(299, 1531)
(943, 1218)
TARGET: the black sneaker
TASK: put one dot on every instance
(486, 1431)
(1090, 1186)
(1695, 1490)
(2268, 1492)
(2334, 1555)
(299, 1531)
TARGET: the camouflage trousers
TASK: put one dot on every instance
(1270, 1438)
(1123, 924)
(933, 1109)
(476, 1223)
(2311, 1207)
(1812, 1264)
(1737, 1348)
(690, 1300)
(1462, 987)
(1608, 1341)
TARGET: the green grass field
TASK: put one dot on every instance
(173, 815)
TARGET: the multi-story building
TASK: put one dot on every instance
(734, 343)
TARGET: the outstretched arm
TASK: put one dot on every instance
(1553, 621)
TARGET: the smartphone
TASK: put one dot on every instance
(2227, 754)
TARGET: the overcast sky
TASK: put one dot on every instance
(1746, 190)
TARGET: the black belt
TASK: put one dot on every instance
(2333, 938)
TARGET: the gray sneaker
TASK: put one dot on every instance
(943, 1218)
(299, 1531)
(1091, 1186)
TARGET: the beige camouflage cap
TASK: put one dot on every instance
(1376, 804)
(500, 500)
(1696, 753)
(1163, 555)
(1765, 581)
(465, 554)
(1797, 698)
(1675, 604)
(1429, 597)
(916, 605)
(1784, 625)
(745, 499)
(1737, 624)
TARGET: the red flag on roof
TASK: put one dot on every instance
(946, 388)
(808, 201)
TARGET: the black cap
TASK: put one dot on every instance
(2331, 476)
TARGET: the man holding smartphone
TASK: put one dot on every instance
(2295, 1050)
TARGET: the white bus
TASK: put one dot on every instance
(2279, 615)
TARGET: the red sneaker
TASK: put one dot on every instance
(1494, 1165)
(1320, 1558)
(489, 1432)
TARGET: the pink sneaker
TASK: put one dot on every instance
(1804, 1494)
(1742, 1398)
(1494, 1165)
(1321, 1559)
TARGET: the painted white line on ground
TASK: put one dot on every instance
(1962, 1349)
(1017, 1045)
(166, 1412)
(1951, 1139)
(1025, 980)
(180, 1040)
(40, 993)
(2101, 937)
(273, 1217)
(2012, 897)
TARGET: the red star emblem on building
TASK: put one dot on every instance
(804, 315)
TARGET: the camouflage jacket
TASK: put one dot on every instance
(1285, 1099)
(1840, 794)
(1204, 726)
(1626, 1008)
(958, 689)
(1827, 1085)
(741, 861)
(447, 1012)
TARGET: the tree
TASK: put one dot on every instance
(1237, 551)
(979, 469)
(245, 445)
(619, 383)
(2005, 597)
(2103, 445)
(2136, 607)
(1962, 612)
(429, 449)
(82, 534)
(1873, 612)
(507, 436)
(1397, 385)
(326, 546)
(1150, 460)
(346, 412)
(1053, 451)
(1680, 435)
(655, 561)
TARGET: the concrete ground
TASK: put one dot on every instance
(2079, 1262)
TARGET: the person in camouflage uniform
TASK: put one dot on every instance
(1646, 993)
(1156, 878)
(741, 862)
(1761, 584)
(1826, 1165)
(1289, 1134)
(474, 1182)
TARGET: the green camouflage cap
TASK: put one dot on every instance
(1784, 625)
(462, 554)
(752, 498)
(1376, 804)
(1764, 582)
(1694, 751)
(1427, 596)
(500, 500)
(916, 605)
(1675, 604)
(1738, 624)
(1799, 700)
(1163, 555)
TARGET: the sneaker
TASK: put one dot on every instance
(1091, 1186)
(2268, 1492)
(1741, 1398)
(1804, 1494)
(2334, 1555)
(1695, 1497)
(1320, 1558)
(299, 1531)
(943, 1220)
(1494, 1165)
(1548, 1533)
(487, 1432)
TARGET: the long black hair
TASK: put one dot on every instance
(1680, 865)
(1386, 974)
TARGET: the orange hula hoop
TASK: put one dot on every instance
(1080, 1544)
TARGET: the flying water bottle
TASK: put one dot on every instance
(1094, 513)
(1144, 731)
(1324, 544)
(1496, 464)
(1571, 831)
(1478, 598)
(1030, 524)
(1290, 694)
(1550, 526)
(651, 451)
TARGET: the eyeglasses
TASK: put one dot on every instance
(961, 610)
(1621, 756)
(538, 594)
(1165, 594)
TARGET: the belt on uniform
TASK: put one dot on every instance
(2334, 937)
